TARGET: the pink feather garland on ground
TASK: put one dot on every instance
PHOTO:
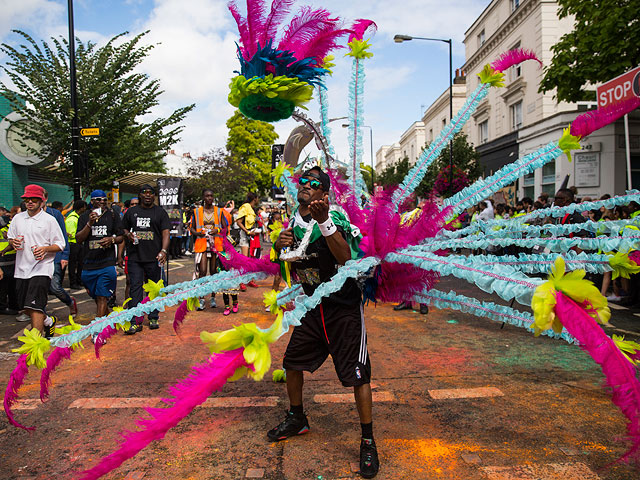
(587, 123)
(11, 393)
(181, 313)
(102, 338)
(194, 390)
(513, 57)
(54, 359)
(620, 374)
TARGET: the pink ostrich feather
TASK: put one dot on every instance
(279, 10)
(513, 57)
(359, 28)
(245, 40)
(181, 313)
(587, 123)
(246, 264)
(634, 256)
(54, 359)
(321, 44)
(255, 24)
(619, 372)
(399, 282)
(11, 393)
(194, 390)
(102, 338)
(346, 199)
(304, 27)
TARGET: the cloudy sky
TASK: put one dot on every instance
(194, 57)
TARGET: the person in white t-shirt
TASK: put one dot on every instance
(36, 237)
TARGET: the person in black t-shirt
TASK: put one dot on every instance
(336, 326)
(146, 228)
(99, 230)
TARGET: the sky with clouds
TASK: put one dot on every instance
(195, 57)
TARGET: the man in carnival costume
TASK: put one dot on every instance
(336, 326)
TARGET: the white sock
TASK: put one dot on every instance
(48, 321)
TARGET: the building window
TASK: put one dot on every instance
(430, 135)
(515, 72)
(549, 178)
(481, 39)
(515, 4)
(444, 122)
(483, 131)
(516, 115)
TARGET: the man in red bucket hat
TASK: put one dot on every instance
(36, 237)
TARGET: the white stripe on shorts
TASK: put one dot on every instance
(363, 338)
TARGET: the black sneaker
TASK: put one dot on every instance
(292, 425)
(403, 306)
(424, 308)
(49, 331)
(369, 463)
(153, 324)
(134, 328)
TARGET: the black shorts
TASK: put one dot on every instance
(336, 330)
(33, 293)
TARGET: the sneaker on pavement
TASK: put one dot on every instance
(243, 287)
(153, 324)
(235, 308)
(614, 298)
(252, 284)
(212, 303)
(23, 317)
(403, 306)
(227, 311)
(200, 305)
(188, 253)
(73, 308)
(134, 328)
(424, 308)
(369, 463)
(292, 425)
(49, 330)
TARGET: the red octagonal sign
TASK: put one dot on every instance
(619, 89)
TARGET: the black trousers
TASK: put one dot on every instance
(139, 273)
(75, 263)
(8, 298)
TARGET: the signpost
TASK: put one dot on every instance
(619, 89)
(90, 132)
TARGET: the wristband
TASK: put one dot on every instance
(327, 228)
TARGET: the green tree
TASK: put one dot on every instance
(465, 158)
(603, 44)
(112, 95)
(249, 142)
(220, 172)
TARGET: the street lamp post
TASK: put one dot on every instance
(373, 171)
(75, 124)
(406, 38)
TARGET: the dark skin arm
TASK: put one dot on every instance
(319, 210)
(162, 256)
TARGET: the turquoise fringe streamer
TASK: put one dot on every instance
(415, 175)
(177, 294)
(288, 294)
(503, 280)
(508, 174)
(326, 130)
(304, 303)
(356, 115)
(290, 189)
(542, 263)
(629, 240)
(497, 313)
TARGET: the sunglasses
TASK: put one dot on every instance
(32, 200)
(313, 183)
(146, 192)
(100, 199)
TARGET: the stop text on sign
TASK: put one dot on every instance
(619, 89)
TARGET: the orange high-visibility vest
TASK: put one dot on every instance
(200, 244)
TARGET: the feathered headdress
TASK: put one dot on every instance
(274, 80)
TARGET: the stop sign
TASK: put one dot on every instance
(619, 89)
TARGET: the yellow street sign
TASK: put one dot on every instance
(89, 132)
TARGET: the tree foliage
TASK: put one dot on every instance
(249, 143)
(220, 172)
(465, 158)
(603, 45)
(111, 95)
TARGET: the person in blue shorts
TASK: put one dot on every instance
(99, 231)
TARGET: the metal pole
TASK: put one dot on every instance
(372, 165)
(75, 125)
(450, 118)
(627, 151)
